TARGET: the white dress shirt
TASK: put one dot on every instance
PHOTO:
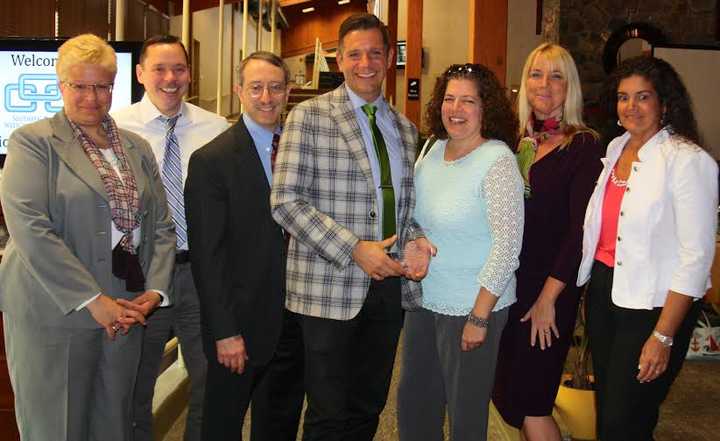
(195, 128)
(667, 223)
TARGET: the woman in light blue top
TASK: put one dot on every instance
(470, 204)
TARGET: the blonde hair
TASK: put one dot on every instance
(85, 49)
(561, 60)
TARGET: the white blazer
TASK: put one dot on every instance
(667, 223)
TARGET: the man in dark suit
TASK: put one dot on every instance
(238, 262)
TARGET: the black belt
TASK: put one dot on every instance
(182, 257)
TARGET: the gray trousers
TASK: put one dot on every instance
(183, 318)
(71, 384)
(436, 374)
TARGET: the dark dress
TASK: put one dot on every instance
(527, 378)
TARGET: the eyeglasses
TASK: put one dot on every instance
(274, 89)
(87, 89)
(467, 68)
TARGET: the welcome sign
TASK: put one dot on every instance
(29, 88)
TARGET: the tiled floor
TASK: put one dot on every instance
(689, 414)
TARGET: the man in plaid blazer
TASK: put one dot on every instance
(345, 287)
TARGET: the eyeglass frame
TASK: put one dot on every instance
(86, 89)
(280, 89)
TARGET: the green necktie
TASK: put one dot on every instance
(388, 193)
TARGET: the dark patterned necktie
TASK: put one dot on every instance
(172, 179)
(388, 192)
(273, 153)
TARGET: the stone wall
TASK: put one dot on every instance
(585, 26)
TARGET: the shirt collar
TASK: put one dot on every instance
(148, 112)
(256, 129)
(646, 150)
(358, 102)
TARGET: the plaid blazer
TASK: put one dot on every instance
(323, 194)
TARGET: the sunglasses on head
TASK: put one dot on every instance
(466, 68)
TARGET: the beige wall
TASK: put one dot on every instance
(521, 37)
(205, 30)
(445, 42)
(296, 65)
(400, 73)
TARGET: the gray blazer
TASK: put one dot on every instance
(323, 193)
(58, 216)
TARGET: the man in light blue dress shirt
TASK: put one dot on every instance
(253, 346)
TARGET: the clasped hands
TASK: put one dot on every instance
(118, 315)
(373, 258)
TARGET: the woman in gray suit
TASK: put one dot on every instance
(90, 255)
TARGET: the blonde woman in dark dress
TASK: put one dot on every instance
(559, 158)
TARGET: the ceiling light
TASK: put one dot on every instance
(343, 2)
(310, 9)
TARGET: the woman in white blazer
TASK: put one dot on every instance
(649, 240)
(91, 252)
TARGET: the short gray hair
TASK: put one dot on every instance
(268, 57)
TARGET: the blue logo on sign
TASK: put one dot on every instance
(30, 90)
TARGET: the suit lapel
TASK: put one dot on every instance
(346, 120)
(135, 161)
(72, 154)
(247, 151)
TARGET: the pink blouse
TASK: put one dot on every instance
(614, 192)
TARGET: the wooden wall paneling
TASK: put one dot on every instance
(322, 23)
(135, 21)
(113, 20)
(488, 35)
(8, 427)
(199, 5)
(163, 5)
(392, 23)
(413, 65)
(83, 16)
(27, 18)
(157, 23)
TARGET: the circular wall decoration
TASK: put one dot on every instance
(646, 31)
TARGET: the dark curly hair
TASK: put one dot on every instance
(674, 98)
(498, 119)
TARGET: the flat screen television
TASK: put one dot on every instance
(28, 83)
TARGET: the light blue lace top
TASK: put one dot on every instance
(472, 210)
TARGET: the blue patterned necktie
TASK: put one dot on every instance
(172, 179)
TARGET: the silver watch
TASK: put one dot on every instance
(477, 321)
(666, 340)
